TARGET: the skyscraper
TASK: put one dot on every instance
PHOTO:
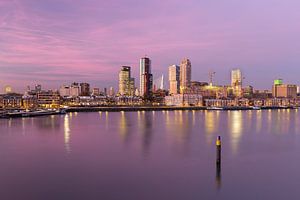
(74, 90)
(85, 89)
(174, 79)
(126, 82)
(236, 82)
(146, 78)
(185, 75)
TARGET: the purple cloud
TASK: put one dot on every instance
(59, 41)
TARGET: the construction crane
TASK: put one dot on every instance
(211, 76)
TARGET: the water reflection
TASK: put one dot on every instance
(258, 121)
(235, 120)
(211, 124)
(218, 176)
(179, 125)
(67, 134)
(145, 121)
(124, 126)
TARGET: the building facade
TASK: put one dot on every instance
(236, 82)
(174, 79)
(84, 89)
(284, 91)
(185, 75)
(126, 82)
(146, 78)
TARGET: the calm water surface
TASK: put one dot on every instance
(151, 155)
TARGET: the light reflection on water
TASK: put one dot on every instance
(172, 152)
(67, 133)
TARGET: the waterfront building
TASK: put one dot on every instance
(236, 82)
(126, 82)
(184, 100)
(48, 99)
(84, 89)
(174, 79)
(280, 90)
(146, 78)
(11, 101)
(185, 75)
(29, 102)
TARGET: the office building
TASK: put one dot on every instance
(126, 82)
(146, 78)
(236, 82)
(185, 75)
(174, 79)
(84, 89)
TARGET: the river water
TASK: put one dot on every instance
(151, 156)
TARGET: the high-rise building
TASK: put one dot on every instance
(74, 90)
(185, 75)
(84, 89)
(236, 82)
(126, 82)
(146, 78)
(174, 79)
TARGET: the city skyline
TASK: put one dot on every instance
(56, 42)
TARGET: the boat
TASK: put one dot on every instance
(256, 108)
(214, 108)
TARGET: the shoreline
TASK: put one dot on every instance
(167, 108)
(142, 108)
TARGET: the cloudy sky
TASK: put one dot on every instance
(55, 42)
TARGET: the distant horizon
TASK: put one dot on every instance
(57, 42)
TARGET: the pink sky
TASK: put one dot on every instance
(54, 42)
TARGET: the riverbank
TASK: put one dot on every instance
(168, 108)
(37, 113)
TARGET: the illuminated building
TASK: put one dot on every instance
(126, 82)
(10, 101)
(184, 100)
(48, 99)
(174, 79)
(185, 75)
(236, 82)
(146, 78)
(280, 90)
